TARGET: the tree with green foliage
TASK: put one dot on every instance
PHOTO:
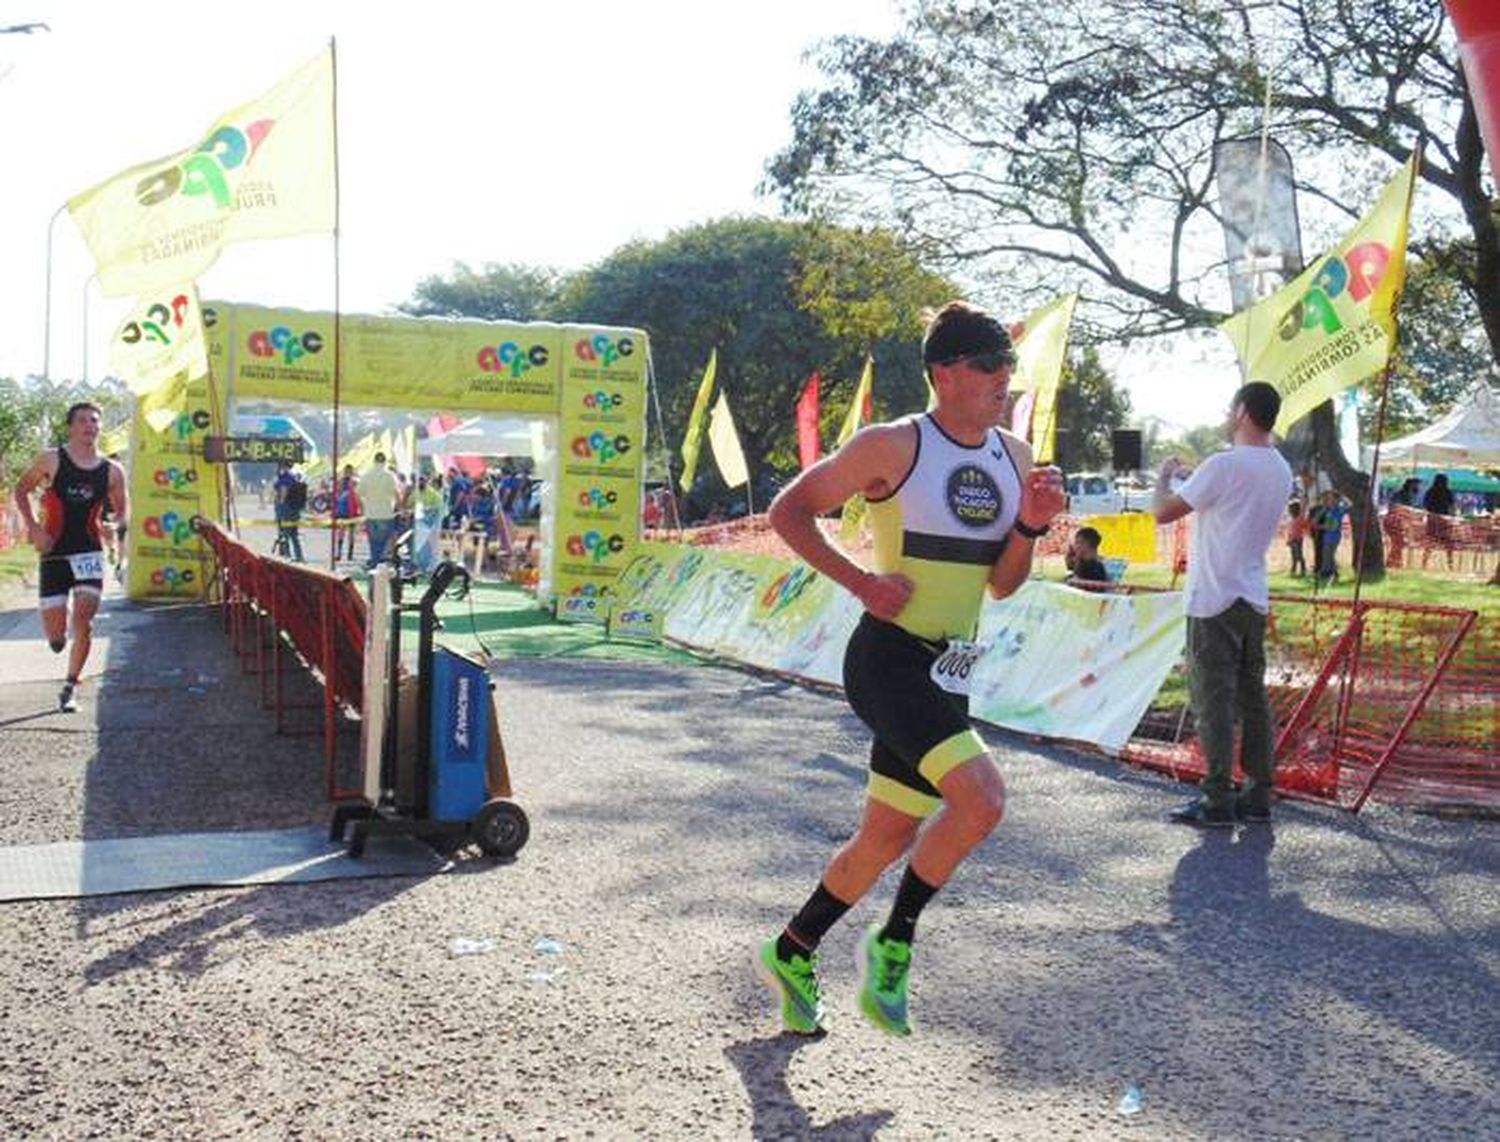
(33, 417)
(1089, 407)
(1018, 142)
(780, 301)
(494, 293)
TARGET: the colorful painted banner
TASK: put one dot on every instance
(1059, 662)
(1335, 324)
(265, 170)
(1063, 663)
(170, 484)
(602, 433)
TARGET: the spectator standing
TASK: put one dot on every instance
(1239, 497)
(1297, 531)
(291, 500)
(1327, 520)
(381, 493)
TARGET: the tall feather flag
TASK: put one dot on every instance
(808, 444)
(725, 442)
(1334, 325)
(264, 170)
(862, 407)
(1041, 343)
(692, 443)
(161, 336)
(861, 412)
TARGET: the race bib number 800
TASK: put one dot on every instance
(954, 668)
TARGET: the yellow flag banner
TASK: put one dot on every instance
(264, 170)
(1335, 324)
(160, 337)
(725, 441)
(860, 407)
(692, 443)
(852, 518)
(1041, 343)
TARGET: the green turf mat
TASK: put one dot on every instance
(507, 620)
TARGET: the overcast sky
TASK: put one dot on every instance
(539, 133)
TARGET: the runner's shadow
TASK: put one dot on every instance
(50, 712)
(762, 1064)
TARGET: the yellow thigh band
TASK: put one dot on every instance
(902, 798)
(943, 758)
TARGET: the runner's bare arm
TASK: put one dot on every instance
(119, 498)
(1166, 504)
(1042, 497)
(43, 469)
(870, 464)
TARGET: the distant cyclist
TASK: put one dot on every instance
(77, 484)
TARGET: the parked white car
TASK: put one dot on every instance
(1093, 493)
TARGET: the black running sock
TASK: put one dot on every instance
(822, 911)
(911, 898)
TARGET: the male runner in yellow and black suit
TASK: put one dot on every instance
(955, 506)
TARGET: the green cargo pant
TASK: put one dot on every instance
(1227, 676)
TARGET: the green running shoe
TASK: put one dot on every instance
(795, 983)
(883, 968)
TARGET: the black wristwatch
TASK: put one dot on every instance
(1032, 532)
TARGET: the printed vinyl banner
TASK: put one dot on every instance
(393, 362)
(1058, 662)
(170, 483)
(602, 435)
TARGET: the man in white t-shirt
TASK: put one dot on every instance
(1239, 497)
(380, 492)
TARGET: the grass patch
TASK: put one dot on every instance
(17, 566)
(1399, 586)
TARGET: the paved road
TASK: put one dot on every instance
(1330, 978)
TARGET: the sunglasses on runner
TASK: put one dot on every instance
(991, 362)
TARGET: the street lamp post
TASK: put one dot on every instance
(92, 278)
(47, 327)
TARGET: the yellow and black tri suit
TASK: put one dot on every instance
(943, 527)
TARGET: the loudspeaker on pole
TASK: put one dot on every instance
(1125, 446)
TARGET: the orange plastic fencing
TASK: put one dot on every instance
(1391, 701)
(1386, 701)
(272, 608)
(1414, 538)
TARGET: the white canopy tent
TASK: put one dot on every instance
(1467, 437)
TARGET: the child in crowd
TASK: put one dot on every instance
(1327, 521)
(1082, 558)
(1298, 529)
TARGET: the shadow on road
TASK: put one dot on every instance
(762, 1065)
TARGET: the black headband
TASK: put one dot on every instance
(965, 334)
